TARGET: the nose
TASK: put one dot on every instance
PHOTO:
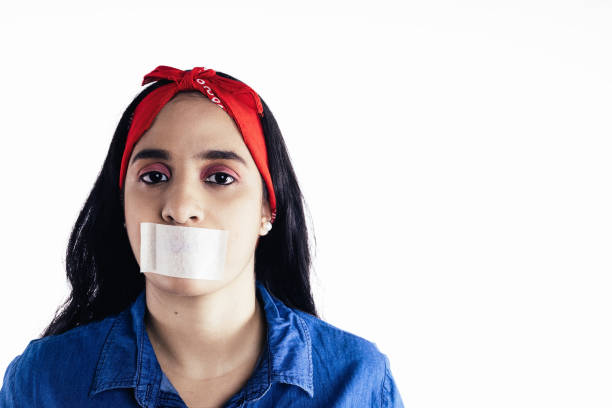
(183, 202)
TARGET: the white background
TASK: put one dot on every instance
(454, 156)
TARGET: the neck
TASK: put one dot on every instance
(206, 336)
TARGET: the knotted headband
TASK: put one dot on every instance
(240, 102)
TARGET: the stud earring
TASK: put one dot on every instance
(267, 227)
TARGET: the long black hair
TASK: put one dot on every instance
(104, 274)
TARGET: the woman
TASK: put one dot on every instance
(196, 149)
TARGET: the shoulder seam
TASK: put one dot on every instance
(332, 327)
(75, 331)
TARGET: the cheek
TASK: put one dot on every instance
(241, 207)
(243, 228)
(137, 205)
(243, 223)
(128, 200)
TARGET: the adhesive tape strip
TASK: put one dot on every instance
(182, 252)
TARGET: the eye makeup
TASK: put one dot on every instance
(154, 167)
(220, 169)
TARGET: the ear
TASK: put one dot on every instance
(266, 213)
(265, 205)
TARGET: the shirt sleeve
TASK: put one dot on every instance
(390, 394)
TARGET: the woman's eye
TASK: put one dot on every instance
(154, 176)
(221, 178)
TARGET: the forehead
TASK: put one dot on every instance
(191, 119)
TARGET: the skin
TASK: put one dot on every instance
(207, 335)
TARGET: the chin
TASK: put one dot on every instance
(183, 286)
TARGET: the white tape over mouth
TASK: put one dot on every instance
(182, 252)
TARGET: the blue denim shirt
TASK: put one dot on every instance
(306, 362)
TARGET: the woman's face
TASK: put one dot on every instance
(183, 189)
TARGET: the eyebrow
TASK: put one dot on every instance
(203, 155)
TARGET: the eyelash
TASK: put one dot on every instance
(212, 174)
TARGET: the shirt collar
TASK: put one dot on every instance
(128, 360)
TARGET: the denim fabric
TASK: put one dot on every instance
(111, 363)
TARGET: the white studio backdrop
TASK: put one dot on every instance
(454, 157)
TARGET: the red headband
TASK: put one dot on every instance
(240, 102)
